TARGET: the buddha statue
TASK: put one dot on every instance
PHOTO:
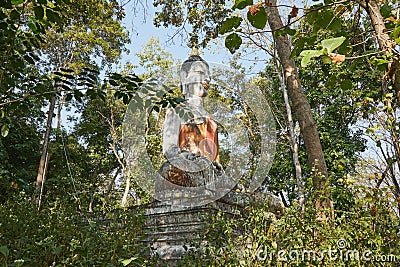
(191, 147)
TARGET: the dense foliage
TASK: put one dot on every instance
(61, 236)
(365, 235)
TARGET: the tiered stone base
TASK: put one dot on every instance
(173, 230)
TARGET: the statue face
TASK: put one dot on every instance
(197, 80)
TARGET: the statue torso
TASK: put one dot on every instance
(200, 137)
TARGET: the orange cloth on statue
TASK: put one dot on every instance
(200, 138)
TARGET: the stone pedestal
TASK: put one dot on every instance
(173, 230)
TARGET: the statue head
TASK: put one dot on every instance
(195, 77)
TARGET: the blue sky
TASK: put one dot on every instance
(139, 22)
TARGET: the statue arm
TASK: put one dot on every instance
(217, 145)
(171, 129)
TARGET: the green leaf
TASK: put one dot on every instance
(229, 24)
(332, 43)
(39, 12)
(3, 25)
(67, 70)
(29, 59)
(32, 26)
(396, 34)
(19, 262)
(53, 16)
(78, 95)
(14, 15)
(290, 31)
(326, 59)
(308, 54)
(240, 4)
(386, 11)
(113, 83)
(346, 84)
(17, 2)
(233, 42)
(128, 261)
(68, 97)
(259, 19)
(279, 33)
(126, 99)
(68, 76)
(4, 133)
(335, 25)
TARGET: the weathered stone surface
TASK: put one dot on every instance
(174, 230)
(190, 170)
(192, 186)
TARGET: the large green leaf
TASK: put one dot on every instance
(290, 31)
(128, 261)
(259, 19)
(308, 54)
(4, 250)
(229, 24)
(332, 43)
(17, 2)
(39, 12)
(346, 84)
(240, 4)
(4, 133)
(396, 34)
(386, 11)
(233, 42)
(14, 15)
(53, 16)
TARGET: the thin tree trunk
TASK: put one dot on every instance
(59, 110)
(90, 209)
(378, 23)
(41, 177)
(293, 138)
(393, 71)
(112, 182)
(303, 114)
(385, 43)
(127, 187)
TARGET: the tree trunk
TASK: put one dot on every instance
(303, 114)
(41, 177)
(384, 41)
(386, 45)
(378, 23)
(393, 72)
(124, 200)
(293, 138)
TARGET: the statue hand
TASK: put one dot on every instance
(191, 155)
(218, 166)
(173, 152)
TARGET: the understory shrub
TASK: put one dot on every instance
(59, 235)
(366, 235)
